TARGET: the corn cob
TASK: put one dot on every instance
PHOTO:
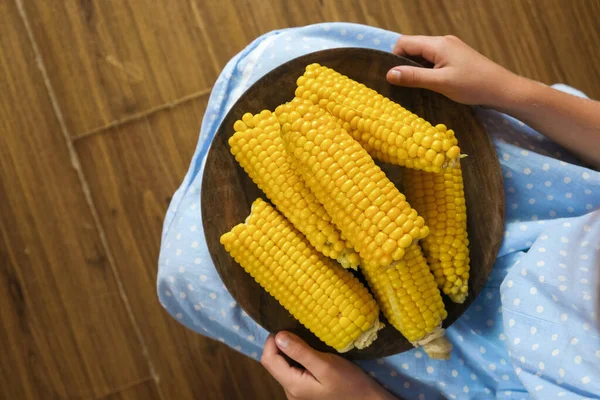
(385, 129)
(324, 297)
(411, 301)
(440, 199)
(371, 213)
(258, 148)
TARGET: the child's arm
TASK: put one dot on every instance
(466, 76)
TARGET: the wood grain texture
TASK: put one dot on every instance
(227, 191)
(58, 294)
(133, 171)
(123, 57)
(146, 391)
(111, 60)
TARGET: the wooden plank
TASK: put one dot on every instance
(133, 170)
(248, 20)
(125, 57)
(569, 41)
(144, 391)
(109, 60)
(64, 330)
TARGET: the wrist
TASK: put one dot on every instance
(515, 93)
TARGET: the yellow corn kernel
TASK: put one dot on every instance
(440, 199)
(411, 301)
(260, 151)
(302, 262)
(384, 128)
(339, 152)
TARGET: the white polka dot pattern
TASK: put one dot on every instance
(533, 334)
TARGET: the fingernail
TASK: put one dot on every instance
(395, 75)
(282, 340)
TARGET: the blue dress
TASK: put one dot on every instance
(531, 333)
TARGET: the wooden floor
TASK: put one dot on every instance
(100, 107)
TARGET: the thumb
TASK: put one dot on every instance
(296, 349)
(426, 78)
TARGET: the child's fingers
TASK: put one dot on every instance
(407, 76)
(427, 47)
(299, 351)
(276, 365)
(296, 382)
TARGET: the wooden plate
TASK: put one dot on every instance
(227, 192)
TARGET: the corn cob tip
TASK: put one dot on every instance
(226, 238)
(458, 297)
(239, 125)
(365, 339)
(435, 344)
(453, 162)
(439, 349)
(256, 205)
(349, 259)
(247, 120)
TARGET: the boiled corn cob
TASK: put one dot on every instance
(411, 301)
(371, 213)
(440, 199)
(258, 148)
(324, 297)
(385, 129)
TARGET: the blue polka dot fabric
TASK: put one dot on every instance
(532, 332)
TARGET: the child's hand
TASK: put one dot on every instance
(326, 376)
(465, 76)
(459, 72)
